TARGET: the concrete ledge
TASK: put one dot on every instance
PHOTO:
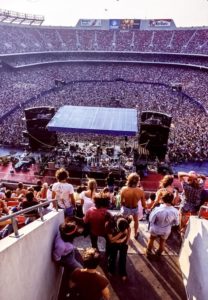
(194, 259)
(27, 270)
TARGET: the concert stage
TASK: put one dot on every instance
(100, 120)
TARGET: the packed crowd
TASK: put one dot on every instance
(20, 39)
(188, 134)
(89, 212)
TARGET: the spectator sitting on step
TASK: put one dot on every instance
(88, 282)
(38, 186)
(5, 226)
(42, 197)
(42, 194)
(9, 196)
(20, 190)
(29, 202)
(64, 251)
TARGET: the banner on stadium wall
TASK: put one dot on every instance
(114, 24)
(160, 23)
(90, 22)
(130, 24)
(124, 24)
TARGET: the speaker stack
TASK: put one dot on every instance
(154, 133)
(37, 119)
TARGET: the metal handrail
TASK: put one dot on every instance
(23, 211)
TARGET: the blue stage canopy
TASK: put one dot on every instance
(100, 120)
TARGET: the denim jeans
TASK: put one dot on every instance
(70, 262)
(113, 250)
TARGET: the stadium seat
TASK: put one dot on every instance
(20, 221)
(12, 203)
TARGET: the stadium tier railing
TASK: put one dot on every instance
(39, 207)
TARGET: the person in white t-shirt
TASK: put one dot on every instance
(63, 192)
(87, 197)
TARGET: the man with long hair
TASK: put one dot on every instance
(131, 194)
(63, 192)
(166, 185)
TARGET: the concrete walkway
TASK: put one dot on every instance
(148, 278)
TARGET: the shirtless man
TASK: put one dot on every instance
(131, 194)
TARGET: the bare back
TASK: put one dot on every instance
(130, 196)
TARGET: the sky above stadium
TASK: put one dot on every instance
(68, 12)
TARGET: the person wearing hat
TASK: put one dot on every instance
(118, 234)
(193, 185)
(63, 249)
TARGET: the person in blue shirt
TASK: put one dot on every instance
(64, 252)
(161, 220)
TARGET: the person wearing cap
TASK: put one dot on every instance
(63, 249)
(193, 185)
